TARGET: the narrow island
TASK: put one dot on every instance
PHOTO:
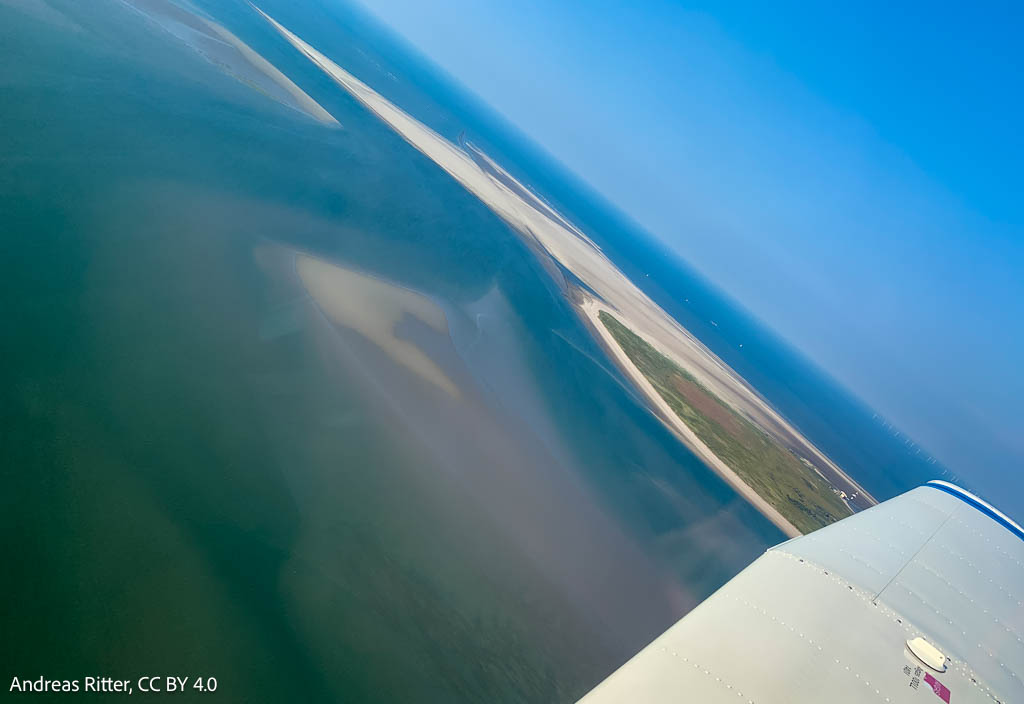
(787, 482)
(709, 407)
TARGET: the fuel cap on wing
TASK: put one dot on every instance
(927, 653)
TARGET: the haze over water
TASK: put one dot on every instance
(287, 406)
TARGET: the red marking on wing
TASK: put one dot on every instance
(940, 689)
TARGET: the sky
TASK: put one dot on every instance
(850, 174)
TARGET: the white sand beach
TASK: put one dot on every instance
(591, 308)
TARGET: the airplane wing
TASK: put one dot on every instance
(919, 599)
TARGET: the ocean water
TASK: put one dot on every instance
(884, 460)
(287, 407)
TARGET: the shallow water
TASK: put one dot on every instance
(414, 478)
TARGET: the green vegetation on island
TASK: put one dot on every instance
(781, 478)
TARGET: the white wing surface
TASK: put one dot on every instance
(838, 615)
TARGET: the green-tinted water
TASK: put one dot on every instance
(206, 474)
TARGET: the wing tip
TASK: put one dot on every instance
(979, 504)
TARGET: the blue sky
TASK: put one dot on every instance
(852, 175)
